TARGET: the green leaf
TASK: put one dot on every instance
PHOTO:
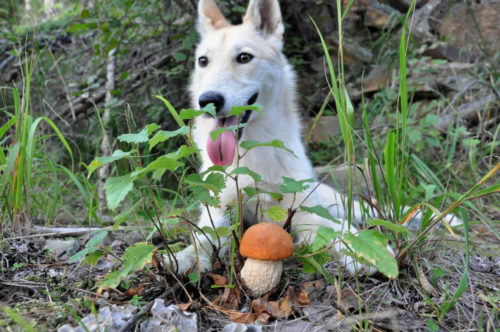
(239, 110)
(193, 277)
(250, 191)
(179, 56)
(99, 161)
(162, 164)
(247, 171)
(92, 246)
(216, 132)
(117, 188)
(276, 143)
(182, 152)
(192, 113)
(201, 188)
(291, 186)
(163, 135)
(214, 181)
(372, 247)
(92, 258)
(324, 236)
(276, 213)
(320, 211)
(389, 225)
(140, 137)
(134, 259)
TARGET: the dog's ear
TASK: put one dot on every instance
(265, 15)
(210, 17)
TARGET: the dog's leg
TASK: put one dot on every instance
(187, 259)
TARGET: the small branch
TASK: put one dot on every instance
(105, 148)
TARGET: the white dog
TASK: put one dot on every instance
(241, 65)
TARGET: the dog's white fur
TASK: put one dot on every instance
(269, 74)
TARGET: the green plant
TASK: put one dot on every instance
(18, 153)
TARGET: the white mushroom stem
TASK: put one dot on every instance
(261, 276)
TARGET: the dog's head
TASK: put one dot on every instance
(236, 64)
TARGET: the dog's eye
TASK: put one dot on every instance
(244, 58)
(203, 61)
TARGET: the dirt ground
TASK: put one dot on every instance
(42, 287)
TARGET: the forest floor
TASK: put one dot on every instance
(455, 116)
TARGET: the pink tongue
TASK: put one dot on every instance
(221, 152)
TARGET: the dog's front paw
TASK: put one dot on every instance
(187, 261)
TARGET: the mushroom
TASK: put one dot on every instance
(266, 245)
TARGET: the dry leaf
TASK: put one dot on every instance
(277, 309)
(296, 297)
(242, 317)
(263, 318)
(231, 298)
(185, 306)
(218, 279)
(133, 291)
(424, 282)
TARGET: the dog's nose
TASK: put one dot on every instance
(212, 97)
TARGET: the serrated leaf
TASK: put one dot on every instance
(239, 110)
(210, 231)
(117, 188)
(324, 236)
(93, 257)
(372, 247)
(92, 245)
(159, 166)
(201, 189)
(291, 186)
(276, 213)
(134, 259)
(99, 161)
(164, 135)
(250, 191)
(214, 181)
(140, 137)
(320, 211)
(247, 171)
(276, 143)
(389, 225)
(216, 132)
(192, 113)
(182, 152)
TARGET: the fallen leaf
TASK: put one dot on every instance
(242, 317)
(277, 309)
(297, 297)
(230, 298)
(133, 291)
(185, 306)
(218, 279)
(424, 282)
(263, 318)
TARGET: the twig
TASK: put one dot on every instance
(103, 172)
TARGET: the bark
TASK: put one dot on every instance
(105, 145)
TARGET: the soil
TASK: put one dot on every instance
(41, 287)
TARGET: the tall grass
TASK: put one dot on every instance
(19, 155)
(390, 185)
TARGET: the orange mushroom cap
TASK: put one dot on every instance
(266, 241)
